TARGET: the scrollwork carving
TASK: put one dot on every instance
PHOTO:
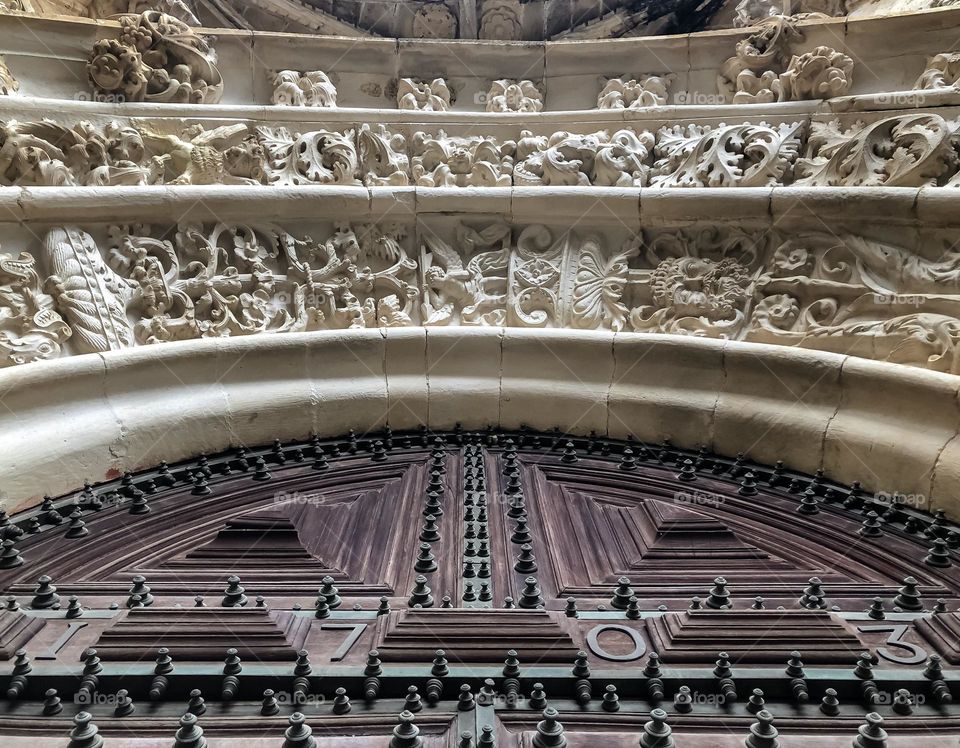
(726, 156)
(157, 58)
(310, 89)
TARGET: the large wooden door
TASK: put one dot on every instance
(451, 588)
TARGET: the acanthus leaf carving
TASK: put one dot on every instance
(317, 157)
(312, 88)
(942, 71)
(9, 86)
(157, 58)
(30, 328)
(423, 96)
(383, 156)
(904, 151)
(599, 287)
(744, 155)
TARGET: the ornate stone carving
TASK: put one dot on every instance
(942, 71)
(30, 328)
(240, 279)
(754, 12)
(599, 158)
(310, 89)
(599, 287)
(726, 156)
(157, 58)
(623, 93)
(9, 86)
(905, 151)
(423, 96)
(111, 8)
(47, 154)
(763, 70)
(224, 155)
(90, 295)
(500, 19)
(383, 156)
(317, 157)
(434, 21)
(514, 96)
(472, 289)
(444, 161)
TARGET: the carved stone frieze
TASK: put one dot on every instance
(725, 156)
(310, 89)
(444, 161)
(763, 69)
(30, 328)
(633, 93)
(142, 284)
(240, 280)
(157, 58)
(423, 96)
(600, 158)
(514, 96)
(9, 86)
(909, 150)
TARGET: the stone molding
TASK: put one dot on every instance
(818, 58)
(878, 286)
(814, 410)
